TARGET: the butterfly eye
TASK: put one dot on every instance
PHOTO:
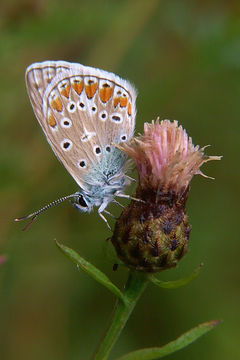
(108, 148)
(123, 138)
(81, 201)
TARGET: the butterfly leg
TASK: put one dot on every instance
(130, 178)
(118, 203)
(128, 197)
(105, 220)
(108, 213)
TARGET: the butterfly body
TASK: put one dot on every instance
(83, 112)
(103, 181)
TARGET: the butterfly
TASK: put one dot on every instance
(83, 111)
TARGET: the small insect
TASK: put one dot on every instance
(83, 112)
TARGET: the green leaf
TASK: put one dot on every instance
(90, 270)
(176, 283)
(178, 344)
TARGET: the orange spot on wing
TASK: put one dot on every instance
(56, 104)
(52, 121)
(129, 109)
(78, 86)
(116, 101)
(90, 90)
(65, 91)
(105, 93)
(123, 101)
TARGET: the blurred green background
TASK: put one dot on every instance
(184, 58)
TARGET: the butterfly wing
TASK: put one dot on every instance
(82, 111)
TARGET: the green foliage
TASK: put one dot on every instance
(136, 283)
(178, 344)
(176, 283)
(91, 270)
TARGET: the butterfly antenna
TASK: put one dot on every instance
(35, 214)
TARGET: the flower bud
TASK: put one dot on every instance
(152, 233)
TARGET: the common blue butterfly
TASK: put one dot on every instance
(83, 112)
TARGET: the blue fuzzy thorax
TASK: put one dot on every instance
(105, 179)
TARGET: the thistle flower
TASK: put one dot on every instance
(152, 234)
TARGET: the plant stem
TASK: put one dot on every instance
(135, 286)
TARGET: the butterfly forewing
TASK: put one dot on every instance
(38, 77)
(82, 111)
